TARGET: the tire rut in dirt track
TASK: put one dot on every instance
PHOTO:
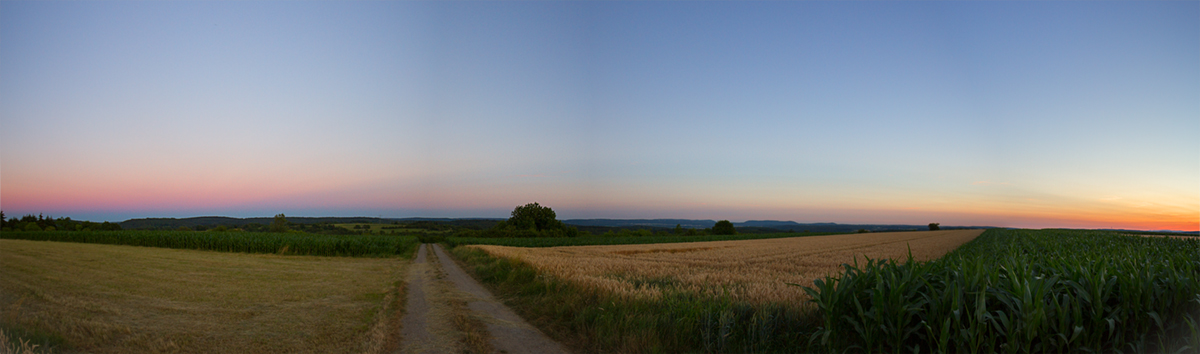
(420, 333)
(424, 325)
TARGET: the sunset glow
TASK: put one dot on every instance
(1014, 114)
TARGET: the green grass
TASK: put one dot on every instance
(246, 242)
(1021, 291)
(619, 240)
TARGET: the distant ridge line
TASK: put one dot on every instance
(142, 223)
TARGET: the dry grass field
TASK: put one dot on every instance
(754, 271)
(124, 299)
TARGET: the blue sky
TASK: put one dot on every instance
(1031, 114)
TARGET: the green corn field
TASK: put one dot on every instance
(245, 242)
(1020, 291)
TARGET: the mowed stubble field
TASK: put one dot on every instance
(126, 299)
(751, 271)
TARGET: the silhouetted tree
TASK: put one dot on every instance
(279, 224)
(724, 227)
(933, 226)
(531, 220)
(534, 216)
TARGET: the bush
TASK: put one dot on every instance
(724, 227)
(531, 220)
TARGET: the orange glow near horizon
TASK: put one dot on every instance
(1139, 220)
(572, 200)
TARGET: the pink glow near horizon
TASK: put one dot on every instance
(1008, 114)
(182, 200)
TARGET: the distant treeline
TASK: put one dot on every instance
(473, 227)
(43, 223)
(756, 226)
(301, 223)
(214, 221)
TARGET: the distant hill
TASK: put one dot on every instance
(467, 223)
(757, 224)
(591, 225)
(208, 221)
(651, 223)
(212, 221)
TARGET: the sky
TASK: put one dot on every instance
(1016, 114)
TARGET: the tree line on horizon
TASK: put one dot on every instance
(42, 223)
(536, 220)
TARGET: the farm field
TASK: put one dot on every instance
(79, 297)
(617, 240)
(1018, 291)
(751, 271)
(238, 241)
(378, 228)
(1053, 291)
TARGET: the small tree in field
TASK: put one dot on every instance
(724, 227)
(532, 220)
(279, 224)
(534, 216)
(933, 226)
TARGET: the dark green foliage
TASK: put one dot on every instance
(279, 224)
(40, 222)
(1020, 291)
(431, 238)
(289, 243)
(534, 216)
(723, 227)
(425, 225)
(243, 223)
(531, 220)
(933, 226)
(622, 238)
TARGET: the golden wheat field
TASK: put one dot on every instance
(755, 271)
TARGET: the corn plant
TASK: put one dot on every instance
(1020, 291)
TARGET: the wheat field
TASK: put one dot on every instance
(753, 271)
(97, 298)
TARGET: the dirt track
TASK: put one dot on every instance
(435, 284)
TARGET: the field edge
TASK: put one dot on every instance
(591, 321)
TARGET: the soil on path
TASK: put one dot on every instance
(426, 327)
(427, 323)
